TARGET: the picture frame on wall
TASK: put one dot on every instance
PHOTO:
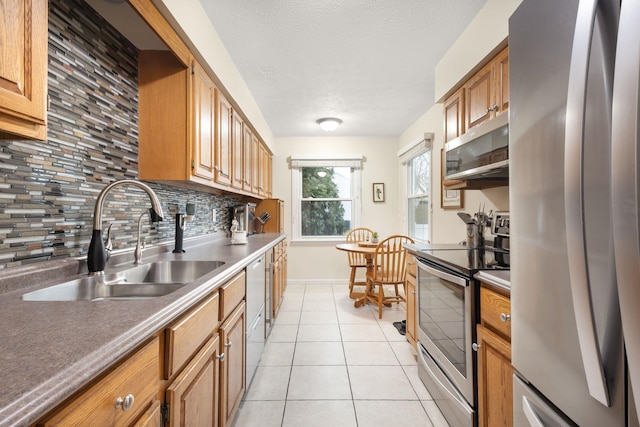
(449, 199)
(378, 192)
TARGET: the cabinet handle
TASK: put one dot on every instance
(505, 317)
(476, 346)
(220, 357)
(229, 344)
(126, 403)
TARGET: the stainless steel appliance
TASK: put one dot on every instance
(245, 214)
(255, 296)
(574, 76)
(448, 310)
(482, 152)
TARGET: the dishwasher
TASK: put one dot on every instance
(255, 306)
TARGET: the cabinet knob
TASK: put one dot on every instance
(126, 403)
(475, 346)
(505, 317)
(413, 292)
(228, 344)
(220, 357)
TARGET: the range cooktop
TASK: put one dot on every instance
(468, 261)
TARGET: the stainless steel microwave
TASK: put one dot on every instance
(482, 152)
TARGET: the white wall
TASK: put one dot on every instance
(322, 262)
(487, 31)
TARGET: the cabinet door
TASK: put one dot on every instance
(478, 97)
(224, 125)
(237, 152)
(247, 153)
(23, 69)
(411, 327)
(232, 336)
(501, 81)
(454, 115)
(152, 417)
(193, 396)
(495, 380)
(203, 123)
(255, 164)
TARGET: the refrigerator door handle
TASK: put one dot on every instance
(530, 414)
(624, 184)
(574, 202)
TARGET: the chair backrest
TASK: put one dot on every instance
(389, 259)
(356, 235)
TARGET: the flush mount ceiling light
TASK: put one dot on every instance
(329, 124)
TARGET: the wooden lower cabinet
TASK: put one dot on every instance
(495, 372)
(194, 395)
(119, 398)
(412, 304)
(279, 278)
(152, 417)
(232, 343)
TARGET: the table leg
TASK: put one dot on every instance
(363, 299)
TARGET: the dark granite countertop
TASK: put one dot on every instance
(51, 349)
(499, 278)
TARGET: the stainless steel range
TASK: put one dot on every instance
(448, 310)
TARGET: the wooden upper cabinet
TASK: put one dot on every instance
(237, 152)
(454, 115)
(479, 97)
(224, 124)
(486, 94)
(204, 124)
(255, 164)
(23, 68)
(502, 81)
(247, 143)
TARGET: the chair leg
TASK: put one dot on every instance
(397, 294)
(380, 301)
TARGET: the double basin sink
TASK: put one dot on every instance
(150, 280)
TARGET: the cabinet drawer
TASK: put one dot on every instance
(495, 311)
(186, 336)
(137, 376)
(411, 265)
(231, 293)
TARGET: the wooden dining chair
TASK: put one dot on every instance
(357, 260)
(389, 268)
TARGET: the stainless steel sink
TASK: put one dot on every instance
(143, 281)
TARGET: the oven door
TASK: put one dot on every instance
(446, 318)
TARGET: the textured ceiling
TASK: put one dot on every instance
(369, 62)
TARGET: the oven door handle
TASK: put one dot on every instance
(443, 275)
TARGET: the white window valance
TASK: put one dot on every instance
(416, 147)
(353, 161)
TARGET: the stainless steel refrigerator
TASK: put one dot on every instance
(575, 247)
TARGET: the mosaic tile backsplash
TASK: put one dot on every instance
(48, 188)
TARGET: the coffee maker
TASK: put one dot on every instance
(245, 215)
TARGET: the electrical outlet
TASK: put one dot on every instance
(214, 215)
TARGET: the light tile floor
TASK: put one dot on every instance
(327, 363)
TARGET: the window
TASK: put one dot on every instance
(416, 160)
(326, 197)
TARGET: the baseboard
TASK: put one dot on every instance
(327, 282)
